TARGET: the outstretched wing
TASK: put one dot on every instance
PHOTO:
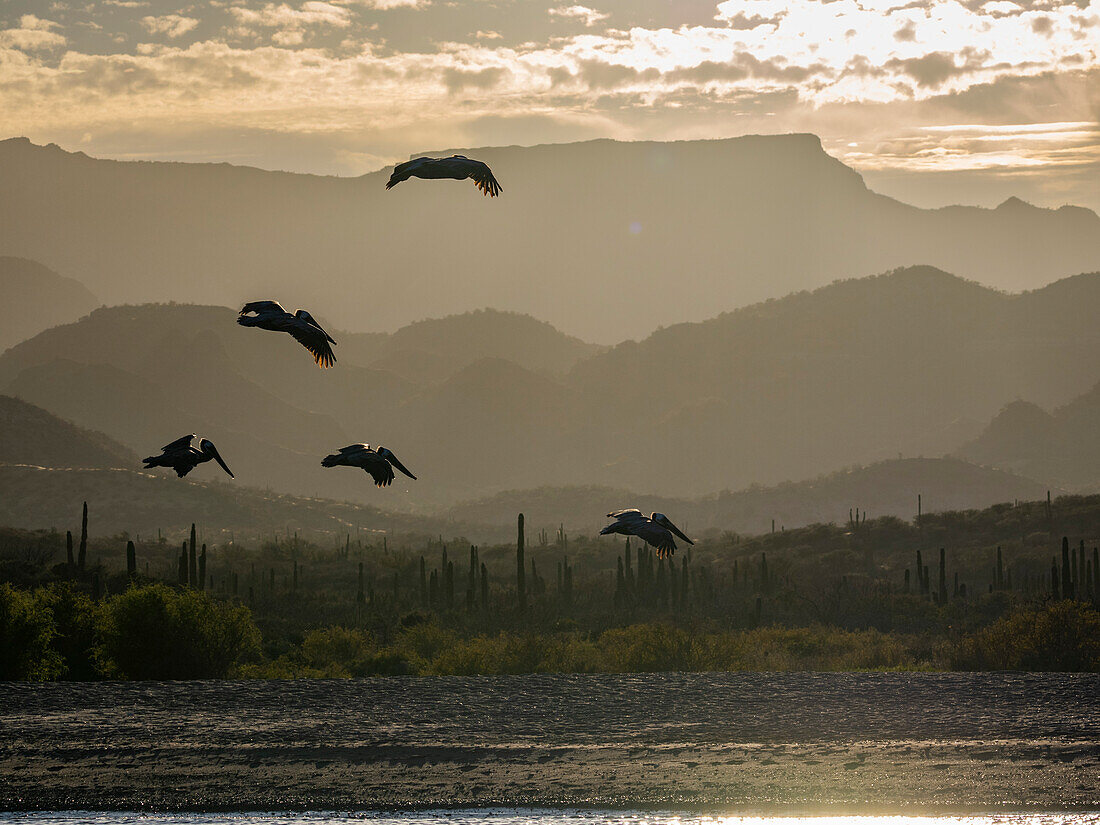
(261, 306)
(625, 515)
(316, 340)
(181, 443)
(482, 175)
(354, 448)
(657, 536)
(380, 471)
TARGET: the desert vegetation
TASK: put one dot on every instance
(1010, 587)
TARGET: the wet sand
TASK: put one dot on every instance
(786, 743)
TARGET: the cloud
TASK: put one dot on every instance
(590, 17)
(290, 24)
(33, 35)
(170, 25)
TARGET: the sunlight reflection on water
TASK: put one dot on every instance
(512, 816)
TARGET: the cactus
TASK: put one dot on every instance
(943, 576)
(69, 560)
(360, 593)
(906, 579)
(423, 584)
(1054, 579)
(521, 573)
(1067, 576)
(131, 560)
(82, 556)
(449, 584)
(484, 587)
(192, 560)
(202, 569)
(999, 577)
(182, 579)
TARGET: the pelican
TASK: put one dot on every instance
(306, 331)
(656, 529)
(183, 458)
(376, 462)
(458, 167)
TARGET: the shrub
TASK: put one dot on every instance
(155, 632)
(26, 633)
(1060, 636)
(74, 618)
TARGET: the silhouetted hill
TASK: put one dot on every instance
(434, 349)
(141, 503)
(854, 372)
(36, 298)
(603, 239)
(1062, 447)
(889, 488)
(30, 435)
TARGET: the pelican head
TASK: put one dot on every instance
(206, 447)
(666, 522)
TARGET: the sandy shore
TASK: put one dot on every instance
(719, 742)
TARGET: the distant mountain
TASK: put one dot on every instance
(433, 350)
(30, 435)
(855, 372)
(889, 488)
(1062, 447)
(36, 298)
(604, 239)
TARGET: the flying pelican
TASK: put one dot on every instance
(306, 331)
(656, 529)
(183, 458)
(376, 462)
(458, 167)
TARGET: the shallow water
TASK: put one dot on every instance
(506, 816)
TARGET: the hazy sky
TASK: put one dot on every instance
(935, 101)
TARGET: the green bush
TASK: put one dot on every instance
(155, 632)
(74, 619)
(26, 634)
(1060, 636)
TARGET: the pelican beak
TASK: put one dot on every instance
(218, 458)
(676, 530)
(393, 460)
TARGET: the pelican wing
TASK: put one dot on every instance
(654, 534)
(316, 340)
(379, 469)
(632, 513)
(261, 306)
(179, 444)
(482, 175)
(354, 448)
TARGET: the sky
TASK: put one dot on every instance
(933, 101)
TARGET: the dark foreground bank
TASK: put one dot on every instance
(731, 741)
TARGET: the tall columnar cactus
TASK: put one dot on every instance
(471, 581)
(131, 560)
(449, 584)
(484, 587)
(906, 579)
(1067, 575)
(423, 583)
(183, 564)
(943, 576)
(82, 556)
(1000, 575)
(1054, 588)
(360, 593)
(763, 571)
(521, 571)
(193, 560)
(920, 573)
(1096, 571)
(202, 570)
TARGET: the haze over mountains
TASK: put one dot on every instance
(35, 298)
(605, 240)
(912, 362)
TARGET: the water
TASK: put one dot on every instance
(777, 743)
(505, 816)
